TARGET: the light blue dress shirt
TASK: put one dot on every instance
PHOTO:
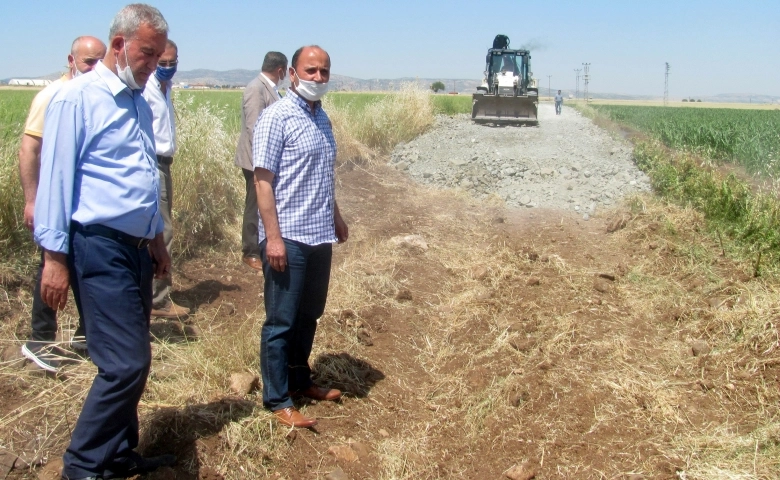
(98, 163)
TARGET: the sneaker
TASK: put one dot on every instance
(46, 355)
(79, 344)
(171, 311)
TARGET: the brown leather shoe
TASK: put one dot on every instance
(171, 311)
(319, 393)
(254, 262)
(293, 418)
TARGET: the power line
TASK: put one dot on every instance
(549, 92)
(586, 78)
(666, 85)
(577, 91)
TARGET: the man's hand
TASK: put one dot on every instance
(55, 280)
(342, 230)
(160, 257)
(29, 216)
(276, 253)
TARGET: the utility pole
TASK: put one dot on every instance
(577, 91)
(549, 92)
(666, 85)
(586, 78)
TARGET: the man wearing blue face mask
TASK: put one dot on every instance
(158, 94)
(294, 155)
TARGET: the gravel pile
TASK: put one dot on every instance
(566, 162)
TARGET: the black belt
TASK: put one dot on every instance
(164, 160)
(113, 234)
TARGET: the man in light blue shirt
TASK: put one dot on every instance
(97, 218)
(558, 103)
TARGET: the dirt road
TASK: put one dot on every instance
(472, 340)
(564, 163)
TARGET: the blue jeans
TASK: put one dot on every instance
(294, 300)
(112, 285)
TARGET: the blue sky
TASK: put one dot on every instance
(713, 46)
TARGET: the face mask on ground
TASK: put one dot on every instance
(164, 74)
(311, 91)
(125, 74)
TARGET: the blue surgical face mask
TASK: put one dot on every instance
(164, 74)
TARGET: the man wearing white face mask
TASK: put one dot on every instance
(97, 217)
(40, 349)
(158, 94)
(294, 155)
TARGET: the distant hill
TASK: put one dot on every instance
(240, 77)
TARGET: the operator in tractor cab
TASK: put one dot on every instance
(509, 65)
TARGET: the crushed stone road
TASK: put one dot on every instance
(566, 162)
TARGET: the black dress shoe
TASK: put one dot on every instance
(144, 465)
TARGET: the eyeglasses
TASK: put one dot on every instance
(172, 63)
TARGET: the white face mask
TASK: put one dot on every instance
(311, 91)
(125, 74)
(76, 72)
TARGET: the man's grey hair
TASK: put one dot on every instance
(171, 43)
(129, 20)
(273, 61)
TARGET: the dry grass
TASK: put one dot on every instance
(208, 187)
(365, 133)
(502, 349)
(480, 363)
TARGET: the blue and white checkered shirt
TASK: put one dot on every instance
(298, 147)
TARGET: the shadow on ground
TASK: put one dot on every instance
(353, 376)
(202, 293)
(185, 431)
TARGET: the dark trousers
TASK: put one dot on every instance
(112, 284)
(294, 300)
(44, 319)
(249, 237)
(161, 287)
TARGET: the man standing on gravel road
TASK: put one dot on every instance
(41, 348)
(158, 95)
(97, 218)
(558, 103)
(258, 94)
(294, 153)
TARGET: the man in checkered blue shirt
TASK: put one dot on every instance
(294, 155)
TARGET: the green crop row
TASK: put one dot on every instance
(750, 138)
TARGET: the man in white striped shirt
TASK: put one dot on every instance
(158, 94)
(294, 155)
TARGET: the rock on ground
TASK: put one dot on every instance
(566, 162)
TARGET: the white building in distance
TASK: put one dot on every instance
(28, 82)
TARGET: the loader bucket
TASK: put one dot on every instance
(497, 109)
